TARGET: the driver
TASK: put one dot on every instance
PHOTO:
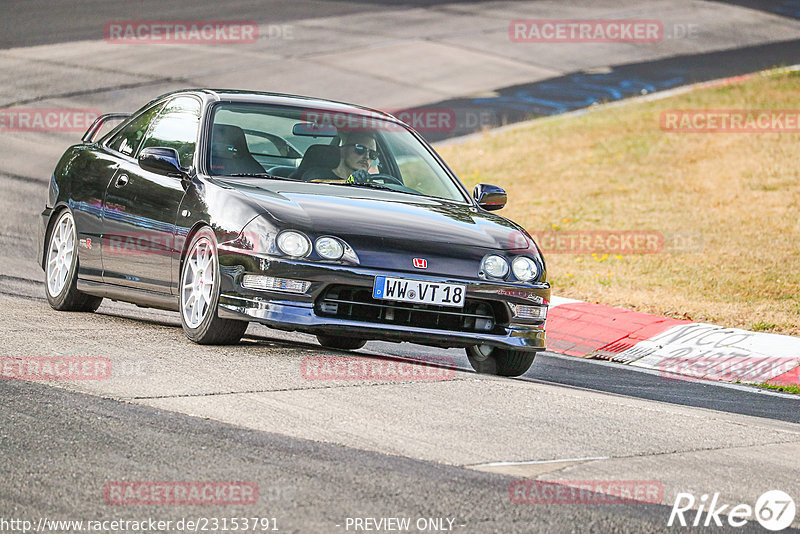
(358, 153)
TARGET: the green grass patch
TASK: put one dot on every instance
(763, 326)
(784, 389)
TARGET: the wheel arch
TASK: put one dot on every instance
(54, 215)
(196, 227)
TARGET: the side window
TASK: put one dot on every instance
(127, 140)
(176, 127)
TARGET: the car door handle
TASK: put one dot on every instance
(122, 181)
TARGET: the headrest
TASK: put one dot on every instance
(326, 156)
(227, 139)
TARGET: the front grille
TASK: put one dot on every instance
(357, 304)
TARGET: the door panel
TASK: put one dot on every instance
(139, 228)
(89, 174)
(140, 207)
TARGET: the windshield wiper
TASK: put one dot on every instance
(259, 175)
(374, 185)
(370, 185)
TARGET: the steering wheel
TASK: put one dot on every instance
(387, 178)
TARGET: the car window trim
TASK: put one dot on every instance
(158, 116)
(106, 139)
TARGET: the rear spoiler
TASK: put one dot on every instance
(88, 137)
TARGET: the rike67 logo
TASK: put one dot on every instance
(774, 510)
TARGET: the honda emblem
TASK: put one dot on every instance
(420, 263)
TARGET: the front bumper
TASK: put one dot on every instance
(300, 312)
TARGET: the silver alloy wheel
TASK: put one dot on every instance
(197, 285)
(59, 256)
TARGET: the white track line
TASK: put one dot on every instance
(534, 462)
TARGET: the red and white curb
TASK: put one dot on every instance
(676, 348)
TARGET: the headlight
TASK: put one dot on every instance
(329, 248)
(495, 266)
(524, 268)
(293, 244)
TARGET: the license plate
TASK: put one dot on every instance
(419, 292)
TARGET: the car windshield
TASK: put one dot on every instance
(321, 146)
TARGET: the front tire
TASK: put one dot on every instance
(502, 362)
(61, 268)
(199, 295)
(340, 343)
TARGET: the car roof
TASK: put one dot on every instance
(261, 97)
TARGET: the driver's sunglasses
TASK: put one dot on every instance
(361, 150)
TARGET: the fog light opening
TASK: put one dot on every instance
(485, 323)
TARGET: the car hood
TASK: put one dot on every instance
(384, 217)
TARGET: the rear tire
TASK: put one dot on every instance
(61, 268)
(340, 343)
(502, 362)
(199, 295)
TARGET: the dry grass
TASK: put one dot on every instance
(615, 169)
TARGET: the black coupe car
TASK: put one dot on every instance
(301, 214)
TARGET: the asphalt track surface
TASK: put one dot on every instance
(74, 444)
(583, 89)
(35, 22)
(321, 452)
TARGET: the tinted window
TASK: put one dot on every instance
(128, 139)
(261, 146)
(176, 127)
(306, 144)
(418, 168)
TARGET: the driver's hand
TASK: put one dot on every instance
(359, 177)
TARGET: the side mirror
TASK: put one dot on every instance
(161, 161)
(490, 197)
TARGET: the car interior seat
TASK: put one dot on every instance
(318, 156)
(229, 152)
